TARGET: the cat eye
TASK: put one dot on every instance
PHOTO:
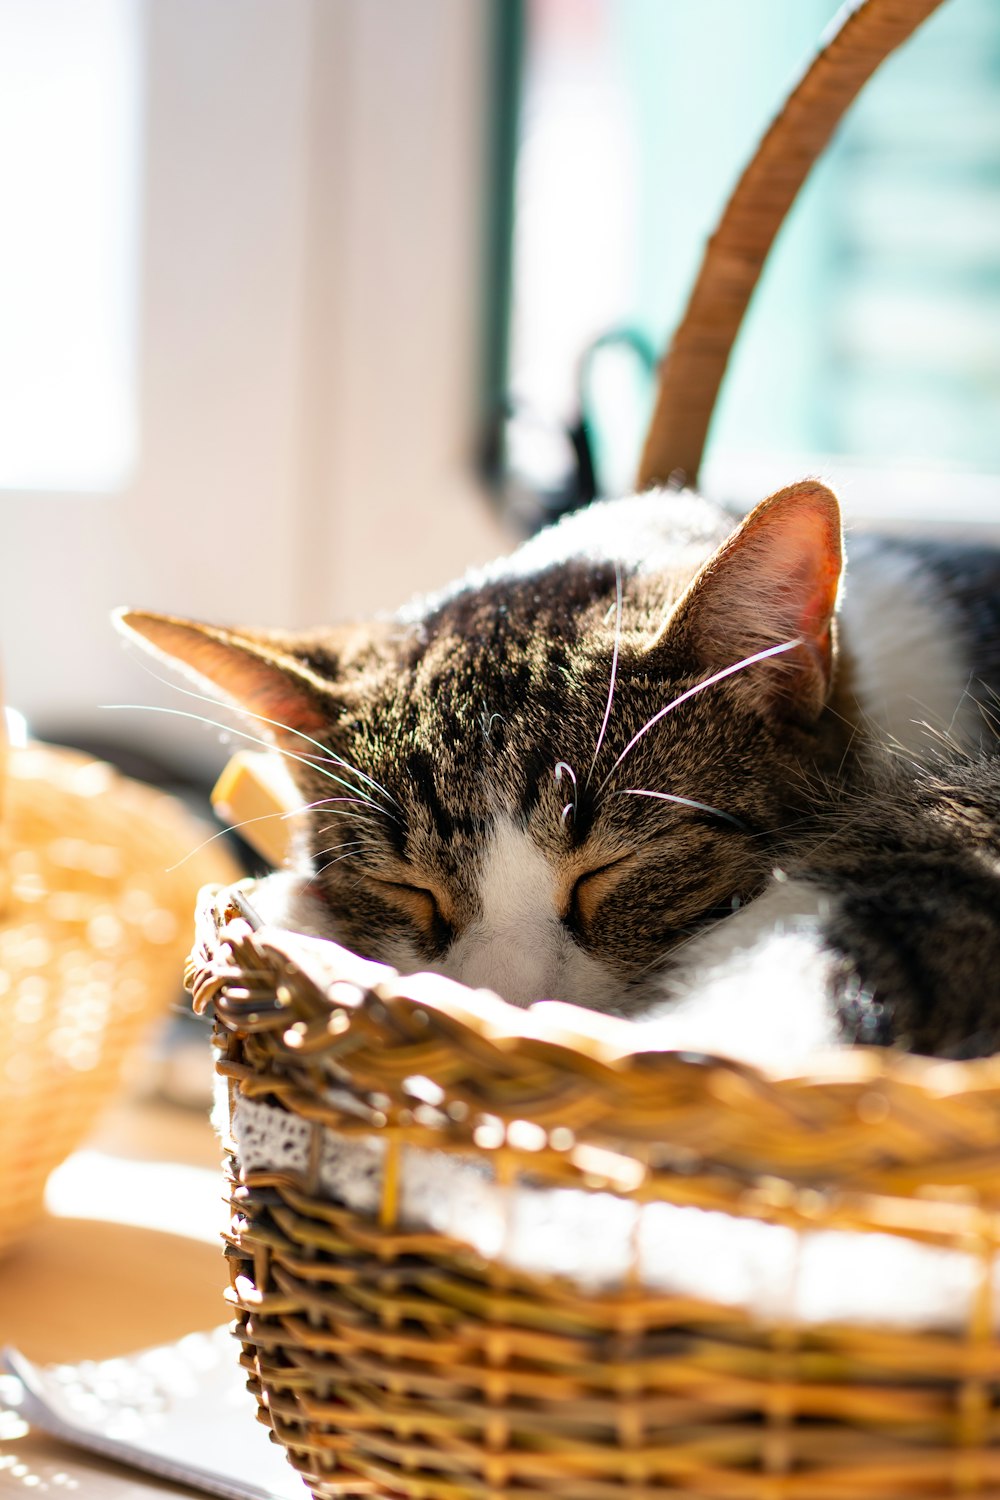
(420, 904)
(593, 886)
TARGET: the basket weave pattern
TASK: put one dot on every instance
(393, 1361)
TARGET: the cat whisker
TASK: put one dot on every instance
(231, 828)
(351, 854)
(704, 807)
(352, 844)
(324, 802)
(254, 739)
(345, 812)
(325, 751)
(563, 768)
(966, 693)
(991, 717)
(338, 760)
(614, 670)
(362, 817)
(848, 748)
(699, 687)
(487, 721)
(292, 812)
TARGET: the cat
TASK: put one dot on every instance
(880, 925)
(549, 776)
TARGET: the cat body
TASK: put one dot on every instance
(880, 925)
(550, 775)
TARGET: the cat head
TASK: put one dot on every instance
(545, 777)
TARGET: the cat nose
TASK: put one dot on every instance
(520, 966)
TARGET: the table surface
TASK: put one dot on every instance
(128, 1258)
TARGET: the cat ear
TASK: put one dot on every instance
(256, 670)
(775, 580)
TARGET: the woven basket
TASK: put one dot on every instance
(454, 1222)
(93, 927)
(393, 1358)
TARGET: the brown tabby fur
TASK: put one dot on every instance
(489, 701)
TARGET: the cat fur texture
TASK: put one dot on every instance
(569, 765)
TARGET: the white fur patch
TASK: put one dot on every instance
(519, 947)
(285, 900)
(653, 532)
(910, 667)
(659, 531)
(755, 986)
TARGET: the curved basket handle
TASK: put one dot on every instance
(859, 39)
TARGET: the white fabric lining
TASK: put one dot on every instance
(770, 1271)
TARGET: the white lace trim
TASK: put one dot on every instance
(773, 1272)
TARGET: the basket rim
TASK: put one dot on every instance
(897, 1145)
(340, 979)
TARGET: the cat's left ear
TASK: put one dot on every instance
(775, 580)
(258, 671)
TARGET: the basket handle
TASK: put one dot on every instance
(860, 37)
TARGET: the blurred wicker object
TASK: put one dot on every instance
(396, 1357)
(93, 927)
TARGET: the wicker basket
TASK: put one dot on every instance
(93, 926)
(393, 1357)
(453, 1221)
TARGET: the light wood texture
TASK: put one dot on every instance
(78, 1289)
(39, 1465)
(253, 796)
(75, 1289)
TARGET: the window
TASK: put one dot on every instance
(873, 345)
(69, 151)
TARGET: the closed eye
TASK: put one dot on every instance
(422, 905)
(592, 887)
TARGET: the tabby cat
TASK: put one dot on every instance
(880, 924)
(549, 776)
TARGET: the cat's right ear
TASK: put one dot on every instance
(255, 670)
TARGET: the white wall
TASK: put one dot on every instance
(308, 323)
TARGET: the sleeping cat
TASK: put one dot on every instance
(881, 924)
(548, 776)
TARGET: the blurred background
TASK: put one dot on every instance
(305, 307)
